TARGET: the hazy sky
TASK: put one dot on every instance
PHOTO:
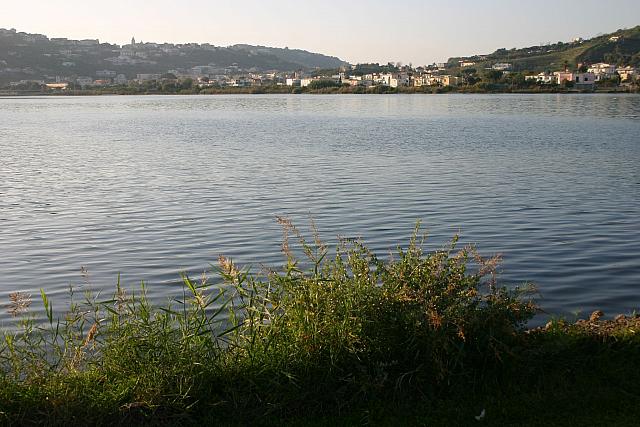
(355, 30)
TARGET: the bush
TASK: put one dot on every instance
(422, 315)
(345, 326)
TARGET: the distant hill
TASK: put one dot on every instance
(293, 56)
(35, 56)
(621, 48)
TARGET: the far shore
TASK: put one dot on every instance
(285, 90)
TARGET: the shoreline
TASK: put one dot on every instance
(335, 91)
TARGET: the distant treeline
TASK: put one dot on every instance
(476, 88)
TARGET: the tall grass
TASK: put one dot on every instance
(330, 328)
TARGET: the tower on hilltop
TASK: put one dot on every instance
(133, 41)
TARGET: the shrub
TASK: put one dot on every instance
(423, 315)
(342, 326)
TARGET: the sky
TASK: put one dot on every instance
(407, 31)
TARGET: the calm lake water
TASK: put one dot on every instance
(152, 186)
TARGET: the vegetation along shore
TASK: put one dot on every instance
(332, 90)
(335, 336)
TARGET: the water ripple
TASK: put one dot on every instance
(151, 186)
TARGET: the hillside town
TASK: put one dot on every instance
(139, 64)
(207, 76)
(436, 75)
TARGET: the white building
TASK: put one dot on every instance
(602, 70)
(394, 79)
(543, 78)
(421, 80)
(627, 74)
(385, 79)
(563, 76)
(241, 82)
(502, 66)
(443, 80)
(304, 82)
(84, 81)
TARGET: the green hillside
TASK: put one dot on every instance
(623, 51)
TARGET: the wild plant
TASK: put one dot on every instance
(326, 322)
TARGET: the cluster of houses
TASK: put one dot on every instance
(209, 76)
(435, 75)
(232, 76)
(394, 80)
(588, 79)
(102, 78)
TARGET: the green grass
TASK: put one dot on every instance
(333, 337)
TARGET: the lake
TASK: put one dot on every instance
(151, 186)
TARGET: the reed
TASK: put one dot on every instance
(327, 334)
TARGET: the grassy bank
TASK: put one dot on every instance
(334, 337)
